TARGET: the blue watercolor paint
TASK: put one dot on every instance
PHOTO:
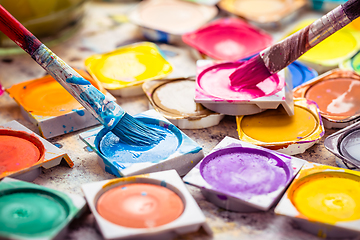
(79, 112)
(163, 183)
(78, 80)
(116, 151)
(58, 145)
(64, 126)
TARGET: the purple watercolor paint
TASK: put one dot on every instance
(244, 172)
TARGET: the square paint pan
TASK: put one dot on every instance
(345, 145)
(174, 99)
(45, 103)
(324, 201)
(123, 70)
(167, 20)
(228, 39)
(213, 91)
(23, 153)
(30, 211)
(343, 44)
(275, 129)
(150, 206)
(177, 151)
(242, 177)
(337, 94)
(264, 13)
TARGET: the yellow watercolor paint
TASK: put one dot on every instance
(277, 126)
(46, 97)
(355, 24)
(334, 49)
(128, 66)
(328, 197)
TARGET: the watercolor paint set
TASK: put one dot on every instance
(324, 201)
(336, 94)
(346, 40)
(167, 20)
(149, 206)
(46, 104)
(227, 39)
(30, 211)
(140, 62)
(344, 144)
(213, 90)
(263, 13)
(275, 129)
(176, 151)
(352, 64)
(23, 153)
(174, 99)
(235, 175)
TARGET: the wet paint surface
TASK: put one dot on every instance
(17, 153)
(328, 197)
(31, 213)
(336, 97)
(115, 150)
(228, 39)
(300, 73)
(355, 63)
(215, 81)
(278, 126)
(140, 205)
(350, 145)
(244, 172)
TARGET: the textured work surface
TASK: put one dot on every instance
(101, 32)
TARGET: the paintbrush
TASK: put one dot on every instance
(278, 56)
(130, 130)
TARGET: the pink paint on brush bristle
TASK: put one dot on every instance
(250, 73)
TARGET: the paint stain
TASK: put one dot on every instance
(277, 126)
(17, 153)
(140, 205)
(350, 145)
(117, 151)
(244, 172)
(336, 97)
(328, 197)
(29, 213)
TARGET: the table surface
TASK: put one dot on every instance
(104, 29)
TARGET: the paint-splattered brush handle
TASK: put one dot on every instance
(280, 55)
(103, 108)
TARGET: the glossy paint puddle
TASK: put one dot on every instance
(140, 205)
(33, 211)
(228, 39)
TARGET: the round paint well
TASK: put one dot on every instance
(355, 63)
(244, 172)
(328, 197)
(46, 97)
(140, 205)
(115, 150)
(274, 126)
(31, 212)
(215, 81)
(338, 97)
(19, 150)
(301, 73)
(350, 145)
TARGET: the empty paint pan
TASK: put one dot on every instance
(264, 13)
(242, 177)
(276, 130)
(324, 201)
(174, 99)
(45, 103)
(30, 211)
(123, 70)
(213, 90)
(167, 20)
(150, 206)
(344, 144)
(177, 151)
(336, 94)
(23, 153)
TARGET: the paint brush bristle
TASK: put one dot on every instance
(134, 132)
(250, 73)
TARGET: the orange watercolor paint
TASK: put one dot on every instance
(140, 205)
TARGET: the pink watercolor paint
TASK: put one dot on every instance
(228, 39)
(2, 90)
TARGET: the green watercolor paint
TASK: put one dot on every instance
(355, 62)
